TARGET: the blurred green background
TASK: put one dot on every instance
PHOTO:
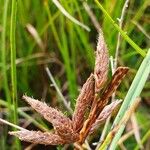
(44, 36)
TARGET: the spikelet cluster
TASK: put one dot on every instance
(73, 130)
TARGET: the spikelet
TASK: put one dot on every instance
(61, 123)
(115, 82)
(83, 101)
(106, 112)
(112, 86)
(101, 63)
(38, 137)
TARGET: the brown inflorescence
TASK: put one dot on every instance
(76, 130)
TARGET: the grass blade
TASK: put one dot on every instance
(13, 57)
(69, 16)
(134, 91)
(13, 64)
(120, 125)
(3, 47)
(123, 34)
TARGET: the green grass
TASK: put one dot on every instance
(13, 66)
(4, 54)
(68, 52)
(4, 67)
(13, 58)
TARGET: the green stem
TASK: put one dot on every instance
(13, 57)
(13, 64)
(3, 47)
(123, 34)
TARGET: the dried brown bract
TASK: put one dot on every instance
(76, 130)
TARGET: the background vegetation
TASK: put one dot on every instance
(35, 34)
